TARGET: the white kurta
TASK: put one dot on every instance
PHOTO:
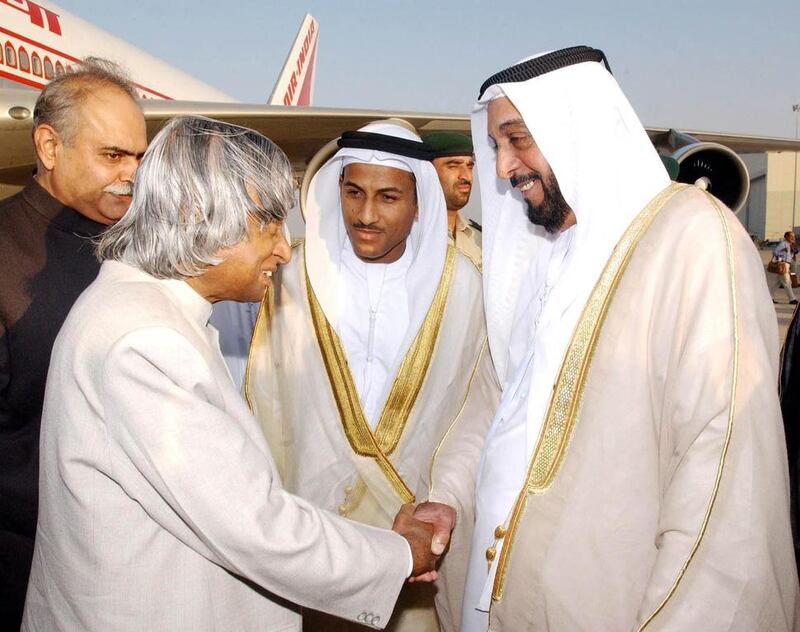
(160, 505)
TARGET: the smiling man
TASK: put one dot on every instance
(633, 476)
(89, 134)
(364, 358)
(161, 505)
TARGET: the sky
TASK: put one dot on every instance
(706, 64)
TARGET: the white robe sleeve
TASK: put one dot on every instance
(217, 490)
(455, 462)
(721, 446)
(453, 475)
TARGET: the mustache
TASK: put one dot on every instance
(516, 180)
(363, 226)
(119, 188)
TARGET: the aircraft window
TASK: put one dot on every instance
(48, 68)
(59, 68)
(36, 65)
(24, 60)
(11, 55)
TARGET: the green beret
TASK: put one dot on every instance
(448, 144)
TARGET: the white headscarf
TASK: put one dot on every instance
(326, 236)
(607, 170)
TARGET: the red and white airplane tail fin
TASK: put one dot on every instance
(295, 84)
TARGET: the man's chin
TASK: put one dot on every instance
(367, 254)
(460, 200)
(114, 211)
(549, 218)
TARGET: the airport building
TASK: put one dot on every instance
(773, 206)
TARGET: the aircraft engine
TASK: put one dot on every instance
(713, 167)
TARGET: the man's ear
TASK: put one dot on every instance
(47, 143)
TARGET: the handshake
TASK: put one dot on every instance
(427, 529)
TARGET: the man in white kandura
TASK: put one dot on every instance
(160, 505)
(634, 475)
(363, 359)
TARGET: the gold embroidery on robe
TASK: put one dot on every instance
(565, 402)
(405, 387)
(265, 312)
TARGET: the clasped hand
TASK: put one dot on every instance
(427, 529)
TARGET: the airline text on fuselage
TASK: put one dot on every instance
(39, 16)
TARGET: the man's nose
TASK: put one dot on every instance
(282, 248)
(128, 168)
(507, 163)
(367, 214)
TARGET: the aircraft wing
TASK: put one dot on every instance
(300, 132)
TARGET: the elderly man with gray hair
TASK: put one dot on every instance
(161, 508)
(89, 134)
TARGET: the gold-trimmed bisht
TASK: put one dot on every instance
(565, 401)
(379, 444)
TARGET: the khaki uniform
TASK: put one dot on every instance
(467, 240)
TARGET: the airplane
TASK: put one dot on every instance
(39, 40)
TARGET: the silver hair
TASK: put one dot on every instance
(56, 104)
(196, 186)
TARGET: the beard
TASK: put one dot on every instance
(457, 199)
(552, 211)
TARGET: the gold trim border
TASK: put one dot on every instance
(405, 387)
(265, 311)
(412, 371)
(731, 414)
(565, 402)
